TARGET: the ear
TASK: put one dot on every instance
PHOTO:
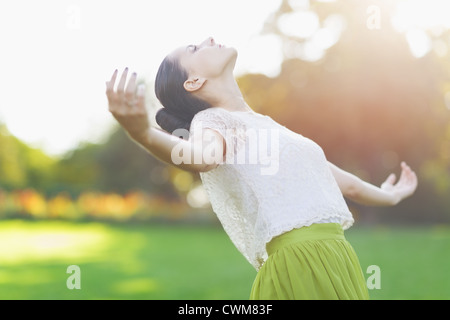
(194, 84)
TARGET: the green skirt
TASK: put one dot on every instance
(310, 263)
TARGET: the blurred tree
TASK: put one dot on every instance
(125, 165)
(12, 174)
(22, 166)
(77, 171)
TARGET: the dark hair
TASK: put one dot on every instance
(180, 106)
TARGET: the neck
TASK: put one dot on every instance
(225, 93)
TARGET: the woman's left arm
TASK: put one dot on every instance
(389, 194)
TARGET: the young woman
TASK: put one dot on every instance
(288, 222)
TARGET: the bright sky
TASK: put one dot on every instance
(57, 54)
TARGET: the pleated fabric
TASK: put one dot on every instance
(310, 263)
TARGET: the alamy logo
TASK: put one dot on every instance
(74, 280)
(374, 280)
(256, 147)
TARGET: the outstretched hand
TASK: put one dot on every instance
(127, 105)
(405, 186)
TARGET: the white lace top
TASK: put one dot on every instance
(271, 181)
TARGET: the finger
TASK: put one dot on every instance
(389, 181)
(110, 83)
(406, 169)
(408, 176)
(122, 81)
(410, 181)
(141, 96)
(131, 87)
(412, 177)
(403, 166)
(403, 176)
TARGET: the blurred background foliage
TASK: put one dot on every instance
(357, 91)
(368, 102)
(116, 180)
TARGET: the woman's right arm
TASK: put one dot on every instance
(182, 153)
(128, 107)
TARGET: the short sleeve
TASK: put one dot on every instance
(230, 127)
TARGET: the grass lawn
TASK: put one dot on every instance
(182, 262)
(414, 262)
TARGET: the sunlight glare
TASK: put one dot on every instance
(329, 35)
(263, 54)
(301, 24)
(422, 14)
(419, 42)
(53, 242)
(197, 197)
(299, 4)
(420, 20)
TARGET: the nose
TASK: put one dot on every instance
(209, 42)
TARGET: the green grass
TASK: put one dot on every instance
(182, 262)
(414, 262)
(120, 262)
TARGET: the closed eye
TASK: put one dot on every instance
(193, 48)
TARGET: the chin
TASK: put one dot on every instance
(233, 55)
(227, 60)
(233, 50)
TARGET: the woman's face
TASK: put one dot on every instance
(206, 60)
